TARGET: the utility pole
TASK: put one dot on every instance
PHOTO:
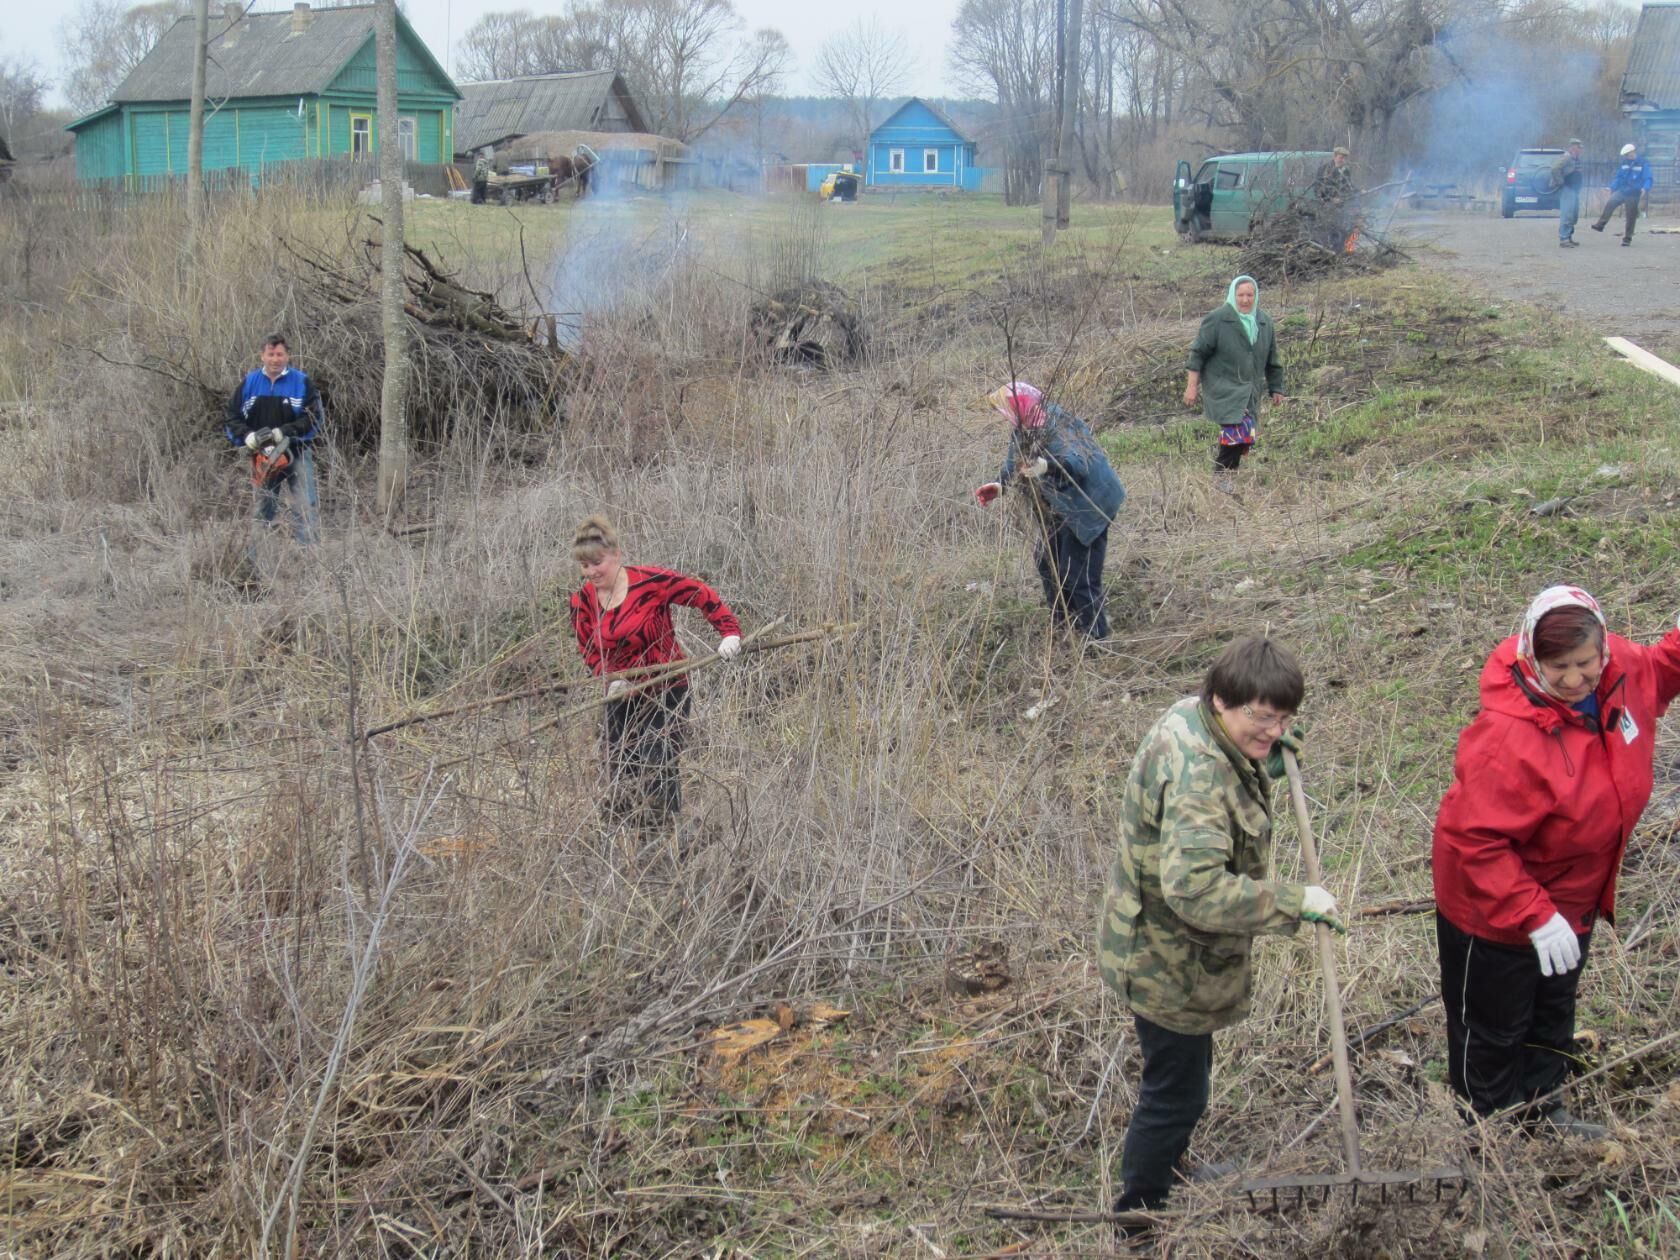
(393, 394)
(1057, 191)
(195, 128)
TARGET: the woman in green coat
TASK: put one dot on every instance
(1232, 362)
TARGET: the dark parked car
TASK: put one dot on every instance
(1528, 182)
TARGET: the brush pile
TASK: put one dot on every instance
(814, 324)
(471, 356)
(1309, 238)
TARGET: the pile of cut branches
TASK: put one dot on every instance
(815, 324)
(473, 360)
(1309, 238)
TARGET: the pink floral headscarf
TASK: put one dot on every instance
(1019, 403)
(1551, 598)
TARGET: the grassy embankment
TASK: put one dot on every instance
(197, 863)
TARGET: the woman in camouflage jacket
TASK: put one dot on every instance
(1190, 889)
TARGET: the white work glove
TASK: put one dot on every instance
(729, 647)
(1318, 906)
(253, 439)
(617, 687)
(1037, 468)
(278, 442)
(1557, 946)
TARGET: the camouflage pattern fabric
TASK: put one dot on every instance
(1188, 890)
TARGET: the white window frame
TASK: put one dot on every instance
(408, 137)
(895, 161)
(366, 149)
(930, 161)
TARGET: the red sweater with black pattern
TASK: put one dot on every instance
(639, 630)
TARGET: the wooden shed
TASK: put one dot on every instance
(499, 110)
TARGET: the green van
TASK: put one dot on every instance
(1230, 194)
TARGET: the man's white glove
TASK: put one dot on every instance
(1557, 946)
(1037, 468)
(278, 442)
(253, 439)
(617, 687)
(730, 647)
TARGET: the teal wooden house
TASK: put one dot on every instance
(281, 87)
(918, 147)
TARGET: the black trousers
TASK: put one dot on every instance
(1072, 575)
(644, 736)
(1172, 1095)
(1628, 203)
(1510, 1030)
(1228, 458)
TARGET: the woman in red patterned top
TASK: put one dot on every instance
(622, 618)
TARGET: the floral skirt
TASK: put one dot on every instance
(1239, 434)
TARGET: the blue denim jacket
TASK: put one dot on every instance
(1081, 487)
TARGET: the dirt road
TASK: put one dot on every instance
(1619, 292)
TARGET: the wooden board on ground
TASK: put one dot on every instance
(1642, 358)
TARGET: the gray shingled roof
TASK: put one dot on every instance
(1653, 71)
(492, 111)
(259, 56)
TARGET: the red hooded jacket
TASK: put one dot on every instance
(1544, 798)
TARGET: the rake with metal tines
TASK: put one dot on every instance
(1399, 1184)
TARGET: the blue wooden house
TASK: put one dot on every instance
(918, 147)
(280, 86)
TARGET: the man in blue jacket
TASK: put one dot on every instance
(1631, 181)
(276, 414)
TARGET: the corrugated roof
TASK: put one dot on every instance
(492, 111)
(1653, 71)
(260, 56)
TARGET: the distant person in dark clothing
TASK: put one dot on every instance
(1631, 181)
(481, 177)
(1332, 189)
(275, 414)
(1054, 459)
(1566, 182)
(1333, 184)
(1232, 362)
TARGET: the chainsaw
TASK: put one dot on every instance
(270, 461)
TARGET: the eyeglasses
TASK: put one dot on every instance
(1278, 722)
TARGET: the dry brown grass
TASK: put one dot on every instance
(262, 985)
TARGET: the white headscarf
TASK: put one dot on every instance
(1551, 598)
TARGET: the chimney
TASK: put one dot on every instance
(300, 17)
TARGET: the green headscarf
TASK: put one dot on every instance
(1249, 325)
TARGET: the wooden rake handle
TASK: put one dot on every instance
(1327, 964)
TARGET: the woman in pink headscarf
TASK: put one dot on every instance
(1549, 781)
(1054, 453)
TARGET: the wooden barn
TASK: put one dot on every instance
(1651, 93)
(287, 86)
(499, 110)
(919, 147)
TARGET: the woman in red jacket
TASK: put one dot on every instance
(622, 618)
(1549, 781)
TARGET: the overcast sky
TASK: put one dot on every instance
(32, 30)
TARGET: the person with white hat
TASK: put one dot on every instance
(1631, 180)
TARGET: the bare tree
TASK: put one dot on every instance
(105, 39)
(22, 89)
(393, 397)
(862, 66)
(493, 47)
(1005, 50)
